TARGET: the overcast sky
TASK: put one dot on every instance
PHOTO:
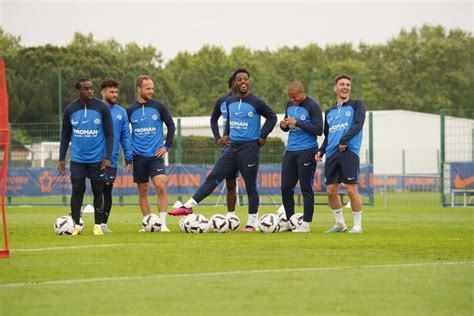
(178, 26)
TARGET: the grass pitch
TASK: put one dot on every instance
(408, 261)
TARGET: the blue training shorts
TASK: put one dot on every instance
(145, 168)
(342, 167)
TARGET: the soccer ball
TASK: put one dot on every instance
(184, 225)
(152, 223)
(219, 223)
(197, 223)
(64, 225)
(295, 220)
(269, 223)
(284, 225)
(234, 221)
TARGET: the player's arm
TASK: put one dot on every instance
(316, 126)
(214, 118)
(322, 149)
(168, 120)
(109, 136)
(359, 119)
(270, 118)
(284, 124)
(66, 133)
(125, 140)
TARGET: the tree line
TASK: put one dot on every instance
(422, 69)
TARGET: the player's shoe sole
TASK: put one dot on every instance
(355, 231)
(181, 211)
(337, 229)
(248, 228)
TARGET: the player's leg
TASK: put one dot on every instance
(97, 177)
(111, 173)
(289, 178)
(78, 182)
(350, 176)
(224, 168)
(160, 181)
(332, 173)
(231, 186)
(140, 177)
(306, 167)
(247, 159)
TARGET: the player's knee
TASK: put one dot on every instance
(143, 189)
(231, 186)
(78, 186)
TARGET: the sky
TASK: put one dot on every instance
(173, 27)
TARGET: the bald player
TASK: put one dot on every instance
(304, 123)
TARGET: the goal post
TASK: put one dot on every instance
(4, 143)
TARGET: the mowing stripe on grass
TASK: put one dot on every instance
(226, 273)
(68, 247)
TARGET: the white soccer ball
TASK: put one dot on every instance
(184, 225)
(234, 221)
(219, 223)
(64, 225)
(295, 220)
(152, 223)
(269, 223)
(284, 225)
(197, 223)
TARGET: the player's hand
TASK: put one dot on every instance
(220, 141)
(291, 121)
(105, 164)
(342, 147)
(128, 167)
(225, 140)
(161, 153)
(262, 141)
(318, 157)
(62, 168)
(284, 124)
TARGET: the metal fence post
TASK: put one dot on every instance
(442, 153)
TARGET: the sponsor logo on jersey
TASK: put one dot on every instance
(154, 117)
(96, 121)
(80, 132)
(338, 127)
(145, 130)
(236, 124)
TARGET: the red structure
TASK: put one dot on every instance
(4, 144)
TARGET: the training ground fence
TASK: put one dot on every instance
(428, 161)
(34, 180)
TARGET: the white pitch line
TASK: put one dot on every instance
(225, 273)
(67, 247)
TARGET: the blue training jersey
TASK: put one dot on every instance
(89, 129)
(343, 126)
(309, 124)
(121, 134)
(220, 108)
(243, 118)
(147, 127)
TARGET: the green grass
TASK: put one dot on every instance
(413, 260)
